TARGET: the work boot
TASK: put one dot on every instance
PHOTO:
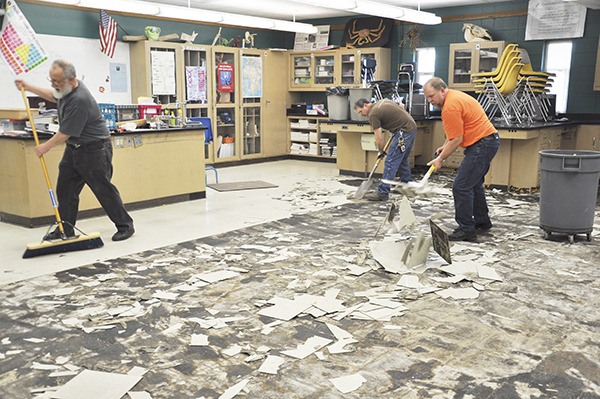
(483, 226)
(55, 235)
(377, 196)
(462, 235)
(121, 235)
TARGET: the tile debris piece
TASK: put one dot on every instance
(234, 390)
(213, 277)
(311, 345)
(459, 293)
(97, 385)
(389, 254)
(488, 273)
(139, 395)
(199, 340)
(348, 383)
(271, 364)
(232, 350)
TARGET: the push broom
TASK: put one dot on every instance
(78, 243)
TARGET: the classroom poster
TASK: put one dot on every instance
(554, 19)
(195, 77)
(225, 83)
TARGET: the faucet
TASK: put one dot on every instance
(181, 108)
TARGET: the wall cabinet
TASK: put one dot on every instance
(468, 58)
(317, 70)
(225, 84)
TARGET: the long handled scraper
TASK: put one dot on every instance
(366, 185)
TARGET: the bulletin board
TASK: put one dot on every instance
(108, 79)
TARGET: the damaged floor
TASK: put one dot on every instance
(299, 308)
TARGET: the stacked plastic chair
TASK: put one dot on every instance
(494, 87)
(514, 89)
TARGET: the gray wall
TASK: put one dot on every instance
(582, 99)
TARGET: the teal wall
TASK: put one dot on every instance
(582, 99)
(70, 22)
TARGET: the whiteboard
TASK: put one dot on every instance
(92, 66)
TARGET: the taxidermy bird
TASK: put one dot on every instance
(474, 33)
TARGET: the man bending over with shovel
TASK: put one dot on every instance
(386, 114)
(466, 125)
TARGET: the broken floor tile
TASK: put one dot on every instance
(271, 364)
(311, 345)
(459, 293)
(199, 340)
(488, 273)
(97, 385)
(348, 383)
(234, 390)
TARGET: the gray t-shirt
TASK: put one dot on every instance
(388, 115)
(80, 118)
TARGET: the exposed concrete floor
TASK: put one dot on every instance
(535, 334)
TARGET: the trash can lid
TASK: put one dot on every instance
(570, 153)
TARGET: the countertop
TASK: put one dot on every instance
(44, 135)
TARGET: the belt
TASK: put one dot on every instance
(493, 136)
(84, 145)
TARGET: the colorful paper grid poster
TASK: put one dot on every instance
(19, 46)
(195, 77)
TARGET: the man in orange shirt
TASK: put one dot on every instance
(466, 125)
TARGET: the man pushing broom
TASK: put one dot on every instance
(87, 158)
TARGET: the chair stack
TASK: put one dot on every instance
(514, 89)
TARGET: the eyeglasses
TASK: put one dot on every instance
(54, 82)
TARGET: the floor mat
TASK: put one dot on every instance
(242, 185)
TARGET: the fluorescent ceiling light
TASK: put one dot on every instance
(133, 7)
(368, 7)
(191, 14)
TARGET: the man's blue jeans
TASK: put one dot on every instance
(470, 206)
(397, 159)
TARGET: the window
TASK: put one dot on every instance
(425, 58)
(558, 61)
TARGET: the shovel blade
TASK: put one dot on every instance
(362, 189)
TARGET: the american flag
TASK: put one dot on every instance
(108, 34)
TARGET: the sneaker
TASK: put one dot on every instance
(377, 196)
(483, 226)
(462, 235)
(55, 235)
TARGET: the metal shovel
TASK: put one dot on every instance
(413, 188)
(366, 185)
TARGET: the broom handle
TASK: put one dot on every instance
(45, 169)
(385, 149)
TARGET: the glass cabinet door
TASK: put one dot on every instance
(225, 84)
(323, 71)
(252, 129)
(301, 70)
(225, 138)
(348, 67)
(463, 65)
(488, 58)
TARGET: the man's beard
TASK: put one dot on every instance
(58, 94)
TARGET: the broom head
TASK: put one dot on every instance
(79, 243)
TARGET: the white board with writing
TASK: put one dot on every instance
(93, 68)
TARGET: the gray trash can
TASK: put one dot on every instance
(355, 95)
(337, 103)
(568, 192)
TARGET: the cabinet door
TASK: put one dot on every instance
(301, 71)
(225, 90)
(461, 66)
(349, 68)
(487, 56)
(251, 81)
(324, 69)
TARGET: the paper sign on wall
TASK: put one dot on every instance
(554, 19)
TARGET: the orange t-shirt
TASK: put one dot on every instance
(462, 114)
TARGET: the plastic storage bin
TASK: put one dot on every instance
(109, 113)
(149, 111)
(568, 192)
(127, 112)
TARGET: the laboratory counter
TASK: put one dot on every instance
(151, 167)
